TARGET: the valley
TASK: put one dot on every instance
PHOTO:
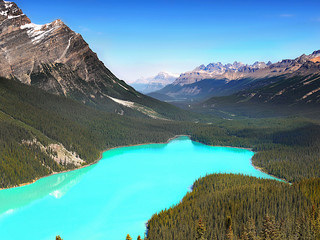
(129, 201)
(217, 80)
(61, 109)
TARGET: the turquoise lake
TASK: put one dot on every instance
(116, 196)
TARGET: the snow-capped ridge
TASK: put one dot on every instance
(9, 9)
(38, 32)
(237, 70)
(229, 71)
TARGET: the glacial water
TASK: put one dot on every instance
(117, 195)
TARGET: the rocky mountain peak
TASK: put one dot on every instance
(302, 59)
(229, 71)
(9, 9)
(58, 60)
(237, 64)
(11, 14)
(315, 54)
(38, 32)
(52, 57)
(11, 19)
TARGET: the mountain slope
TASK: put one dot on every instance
(41, 133)
(58, 60)
(217, 79)
(284, 95)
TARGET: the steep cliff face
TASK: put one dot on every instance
(49, 56)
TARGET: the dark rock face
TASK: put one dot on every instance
(54, 58)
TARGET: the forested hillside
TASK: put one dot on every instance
(28, 114)
(241, 207)
(271, 97)
(31, 120)
(287, 148)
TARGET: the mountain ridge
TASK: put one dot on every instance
(222, 80)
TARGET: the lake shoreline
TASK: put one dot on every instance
(250, 149)
(264, 171)
(93, 163)
(134, 145)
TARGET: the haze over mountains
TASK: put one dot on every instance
(152, 84)
(217, 79)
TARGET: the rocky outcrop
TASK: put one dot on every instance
(58, 153)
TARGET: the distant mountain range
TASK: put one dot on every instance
(217, 79)
(58, 60)
(218, 70)
(152, 84)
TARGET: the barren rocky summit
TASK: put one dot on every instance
(52, 57)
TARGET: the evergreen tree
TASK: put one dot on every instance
(201, 230)
(302, 229)
(270, 230)
(314, 220)
(267, 228)
(229, 232)
(244, 233)
(128, 237)
(298, 229)
(249, 231)
(58, 238)
(139, 238)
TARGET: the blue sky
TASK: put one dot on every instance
(142, 38)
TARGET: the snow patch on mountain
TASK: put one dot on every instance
(9, 9)
(38, 32)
